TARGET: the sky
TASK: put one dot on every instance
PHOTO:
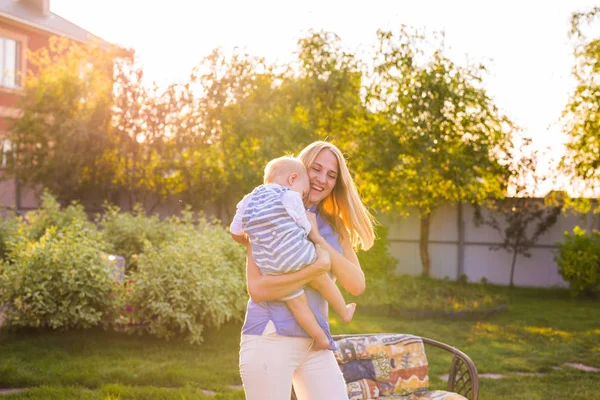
(524, 43)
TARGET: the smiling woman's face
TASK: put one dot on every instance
(322, 174)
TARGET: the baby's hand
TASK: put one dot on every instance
(314, 234)
(312, 218)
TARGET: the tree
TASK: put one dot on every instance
(323, 87)
(141, 152)
(236, 129)
(521, 220)
(434, 135)
(581, 116)
(250, 112)
(65, 106)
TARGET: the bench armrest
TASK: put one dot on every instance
(463, 378)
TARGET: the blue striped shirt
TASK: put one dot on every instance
(259, 314)
(279, 244)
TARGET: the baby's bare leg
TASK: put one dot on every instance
(328, 289)
(306, 319)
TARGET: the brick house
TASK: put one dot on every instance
(24, 25)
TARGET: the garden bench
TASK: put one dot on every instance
(394, 366)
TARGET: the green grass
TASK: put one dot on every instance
(93, 358)
(428, 296)
(541, 329)
(120, 392)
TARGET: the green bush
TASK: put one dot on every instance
(578, 259)
(194, 280)
(126, 233)
(50, 214)
(9, 230)
(60, 281)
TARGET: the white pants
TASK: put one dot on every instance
(270, 363)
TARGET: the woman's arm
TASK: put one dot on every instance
(345, 266)
(272, 287)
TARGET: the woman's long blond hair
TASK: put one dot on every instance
(343, 208)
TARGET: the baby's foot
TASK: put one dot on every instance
(350, 308)
(320, 343)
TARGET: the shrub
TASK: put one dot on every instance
(50, 214)
(578, 259)
(126, 233)
(194, 280)
(9, 228)
(59, 281)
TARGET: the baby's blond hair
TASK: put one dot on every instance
(283, 166)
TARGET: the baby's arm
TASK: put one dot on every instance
(236, 230)
(241, 239)
(295, 208)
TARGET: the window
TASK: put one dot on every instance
(9, 62)
(5, 152)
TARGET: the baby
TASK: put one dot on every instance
(274, 219)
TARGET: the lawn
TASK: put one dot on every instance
(539, 332)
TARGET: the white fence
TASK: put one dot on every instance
(476, 260)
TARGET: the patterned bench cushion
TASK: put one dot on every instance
(378, 366)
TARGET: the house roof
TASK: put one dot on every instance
(27, 14)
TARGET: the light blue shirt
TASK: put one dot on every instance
(259, 314)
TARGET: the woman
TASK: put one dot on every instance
(275, 351)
